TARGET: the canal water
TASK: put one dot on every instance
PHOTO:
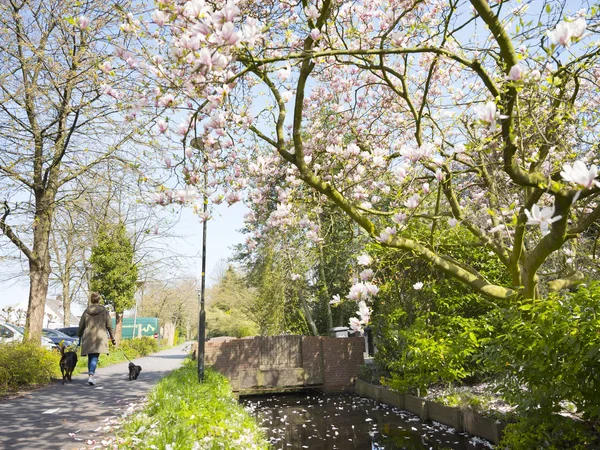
(344, 422)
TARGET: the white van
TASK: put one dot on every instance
(14, 333)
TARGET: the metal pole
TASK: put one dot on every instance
(202, 319)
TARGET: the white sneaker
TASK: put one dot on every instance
(91, 380)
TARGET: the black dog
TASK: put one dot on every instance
(68, 361)
(134, 371)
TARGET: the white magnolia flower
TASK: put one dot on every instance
(542, 217)
(335, 300)
(364, 259)
(452, 222)
(579, 174)
(418, 286)
(355, 324)
(488, 114)
(295, 276)
(363, 312)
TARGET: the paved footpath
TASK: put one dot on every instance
(44, 418)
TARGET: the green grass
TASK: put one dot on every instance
(183, 414)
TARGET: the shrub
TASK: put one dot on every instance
(185, 414)
(549, 353)
(435, 349)
(549, 433)
(26, 364)
(140, 346)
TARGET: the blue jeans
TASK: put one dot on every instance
(92, 362)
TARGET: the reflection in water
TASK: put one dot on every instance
(301, 421)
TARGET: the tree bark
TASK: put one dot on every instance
(307, 314)
(39, 268)
(118, 327)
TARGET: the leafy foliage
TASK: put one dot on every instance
(548, 433)
(434, 334)
(26, 364)
(114, 271)
(186, 414)
(548, 352)
(228, 308)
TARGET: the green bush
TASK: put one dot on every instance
(549, 433)
(137, 347)
(26, 364)
(435, 349)
(548, 352)
(185, 414)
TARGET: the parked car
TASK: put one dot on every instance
(69, 331)
(15, 333)
(57, 337)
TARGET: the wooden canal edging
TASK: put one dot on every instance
(461, 420)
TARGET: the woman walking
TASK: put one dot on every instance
(93, 327)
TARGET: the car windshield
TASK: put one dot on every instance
(19, 329)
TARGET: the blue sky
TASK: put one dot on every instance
(222, 234)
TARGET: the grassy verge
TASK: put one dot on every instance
(182, 414)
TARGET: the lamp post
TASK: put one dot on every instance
(199, 145)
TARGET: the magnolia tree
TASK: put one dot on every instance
(468, 114)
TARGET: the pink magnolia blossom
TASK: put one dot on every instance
(413, 201)
(159, 17)
(567, 32)
(386, 236)
(515, 73)
(315, 33)
(336, 299)
(366, 274)
(284, 73)
(167, 162)
(106, 66)
(162, 126)
(166, 100)
(83, 22)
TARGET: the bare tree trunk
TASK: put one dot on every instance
(39, 271)
(118, 327)
(66, 298)
(308, 314)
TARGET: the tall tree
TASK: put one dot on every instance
(55, 122)
(114, 273)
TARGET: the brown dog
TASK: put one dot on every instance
(68, 361)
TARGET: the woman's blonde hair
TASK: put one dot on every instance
(95, 297)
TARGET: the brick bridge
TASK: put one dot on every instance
(280, 363)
